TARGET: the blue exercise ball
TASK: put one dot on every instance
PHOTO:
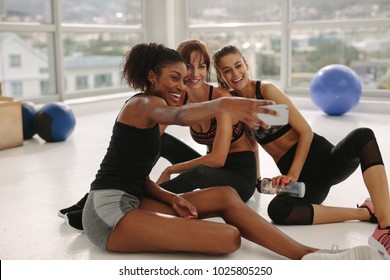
(336, 89)
(55, 122)
(28, 119)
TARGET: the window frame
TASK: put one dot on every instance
(172, 17)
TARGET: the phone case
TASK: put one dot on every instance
(282, 119)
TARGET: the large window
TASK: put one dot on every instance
(47, 45)
(353, 33)
(61, 49)
(289, 41)
(365, 50)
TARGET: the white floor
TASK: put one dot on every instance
(39, 178)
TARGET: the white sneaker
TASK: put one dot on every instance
(355, 253)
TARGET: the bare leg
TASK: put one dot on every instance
(255, 228)
(202, 236)
(146, 231)
(329, 214)
(378, 187)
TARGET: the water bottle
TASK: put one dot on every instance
(295, 189)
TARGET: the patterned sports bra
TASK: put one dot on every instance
(264, 136)
(207, 138)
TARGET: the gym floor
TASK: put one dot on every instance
(39, 178)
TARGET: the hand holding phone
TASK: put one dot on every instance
(281, 119)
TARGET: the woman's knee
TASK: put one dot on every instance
(366, 131)
(286, 210)
(230, 240)
(362, 135)
(229, 194)
(224, 197)
(279, 209)
(367, 148)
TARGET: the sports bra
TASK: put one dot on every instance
(263, 135)
(207, 138)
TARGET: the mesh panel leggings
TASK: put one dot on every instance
(326, 165)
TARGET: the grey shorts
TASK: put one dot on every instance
(103, 210)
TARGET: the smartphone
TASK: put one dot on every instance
(271, 120)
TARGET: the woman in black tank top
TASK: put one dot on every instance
(302, 155)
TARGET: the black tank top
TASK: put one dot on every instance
(129, 159)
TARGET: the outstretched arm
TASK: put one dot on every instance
(241, 108)
(147, 111)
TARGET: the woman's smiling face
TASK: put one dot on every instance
(233, 70)
(171, 83)
(197, 70)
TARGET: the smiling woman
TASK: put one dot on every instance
(168, 79)
(303, 155)
(230, 159)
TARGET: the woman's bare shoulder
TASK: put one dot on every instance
(220, 92)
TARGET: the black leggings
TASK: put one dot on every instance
(175, 151)
(326, 165)
(239, 170)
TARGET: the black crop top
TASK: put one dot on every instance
(264, 136)
(207, 138)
